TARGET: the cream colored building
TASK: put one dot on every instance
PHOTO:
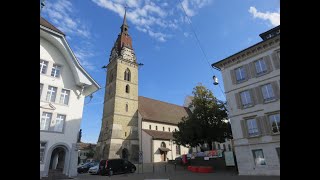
(125, 129)
(64, 84)
(252, 85)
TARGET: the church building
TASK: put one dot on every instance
(133, 123)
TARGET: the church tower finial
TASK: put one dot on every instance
(125, 16)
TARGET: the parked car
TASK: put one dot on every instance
(94, 170)
(85, 167)
(178, 160)
(116, 166)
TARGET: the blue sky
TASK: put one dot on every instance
(163, 41)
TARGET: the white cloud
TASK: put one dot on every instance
(155, 18)
(272, 17)
(192, 6)
(61, 13)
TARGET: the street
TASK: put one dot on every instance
(181, 175)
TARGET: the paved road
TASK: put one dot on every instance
(182, 175)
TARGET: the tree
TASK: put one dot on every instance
(207, 123)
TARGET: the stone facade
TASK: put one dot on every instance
(119, 131)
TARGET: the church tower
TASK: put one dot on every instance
(119, 131)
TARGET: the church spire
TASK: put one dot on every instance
(125, 16)
(124, 27)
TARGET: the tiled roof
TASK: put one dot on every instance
(159, 134)
(158, 111)
(83, 146)
(46, 24)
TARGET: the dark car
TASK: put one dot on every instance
(116, 166)
(85, 167)
(179, 161)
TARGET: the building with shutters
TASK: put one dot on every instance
(252, 85)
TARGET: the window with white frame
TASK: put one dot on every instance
(267, 92)
(252, 127)
(41, 88)
(240, 74)
(45, 121)
(64, 98)
(275, 123)
(42, 151)
(56, 70)
(58, 125)
(246, 100)
(43, 66)
(51, 94)
(258, 157)
(261, 66)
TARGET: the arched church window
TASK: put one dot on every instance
(127, 107)
(163, 144)
(127, 88)
(127, 75)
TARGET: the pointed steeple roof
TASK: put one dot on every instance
(125, 17)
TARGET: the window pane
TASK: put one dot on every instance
(55, 70)
(252, 127)
(58, 127)
(64, 98)
(43, 66)
(275, 123)
(258, 157)
(51, 94)
(260, 66)
(267, 92)
(245, 98)
(240, 74)
(45, 121)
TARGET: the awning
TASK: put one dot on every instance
(164, 149)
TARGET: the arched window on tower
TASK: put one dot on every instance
(127, 88)
(163, 144)
(127, 75)
(127, 107)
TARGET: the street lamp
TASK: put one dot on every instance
(215, 80)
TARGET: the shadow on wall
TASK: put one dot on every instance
(60, 152)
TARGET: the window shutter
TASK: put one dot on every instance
(263, 125)
(253, 69)
(238, 100)
(276, 89)
(267, 60)
(247, 70)
(244, 129)
(233, 76)
(276, 60)
(260, 125)
(267, 125)
(259, 96)
(253, 96)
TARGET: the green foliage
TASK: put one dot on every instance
(207, 123)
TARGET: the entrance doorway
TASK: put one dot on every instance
(57, 159)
